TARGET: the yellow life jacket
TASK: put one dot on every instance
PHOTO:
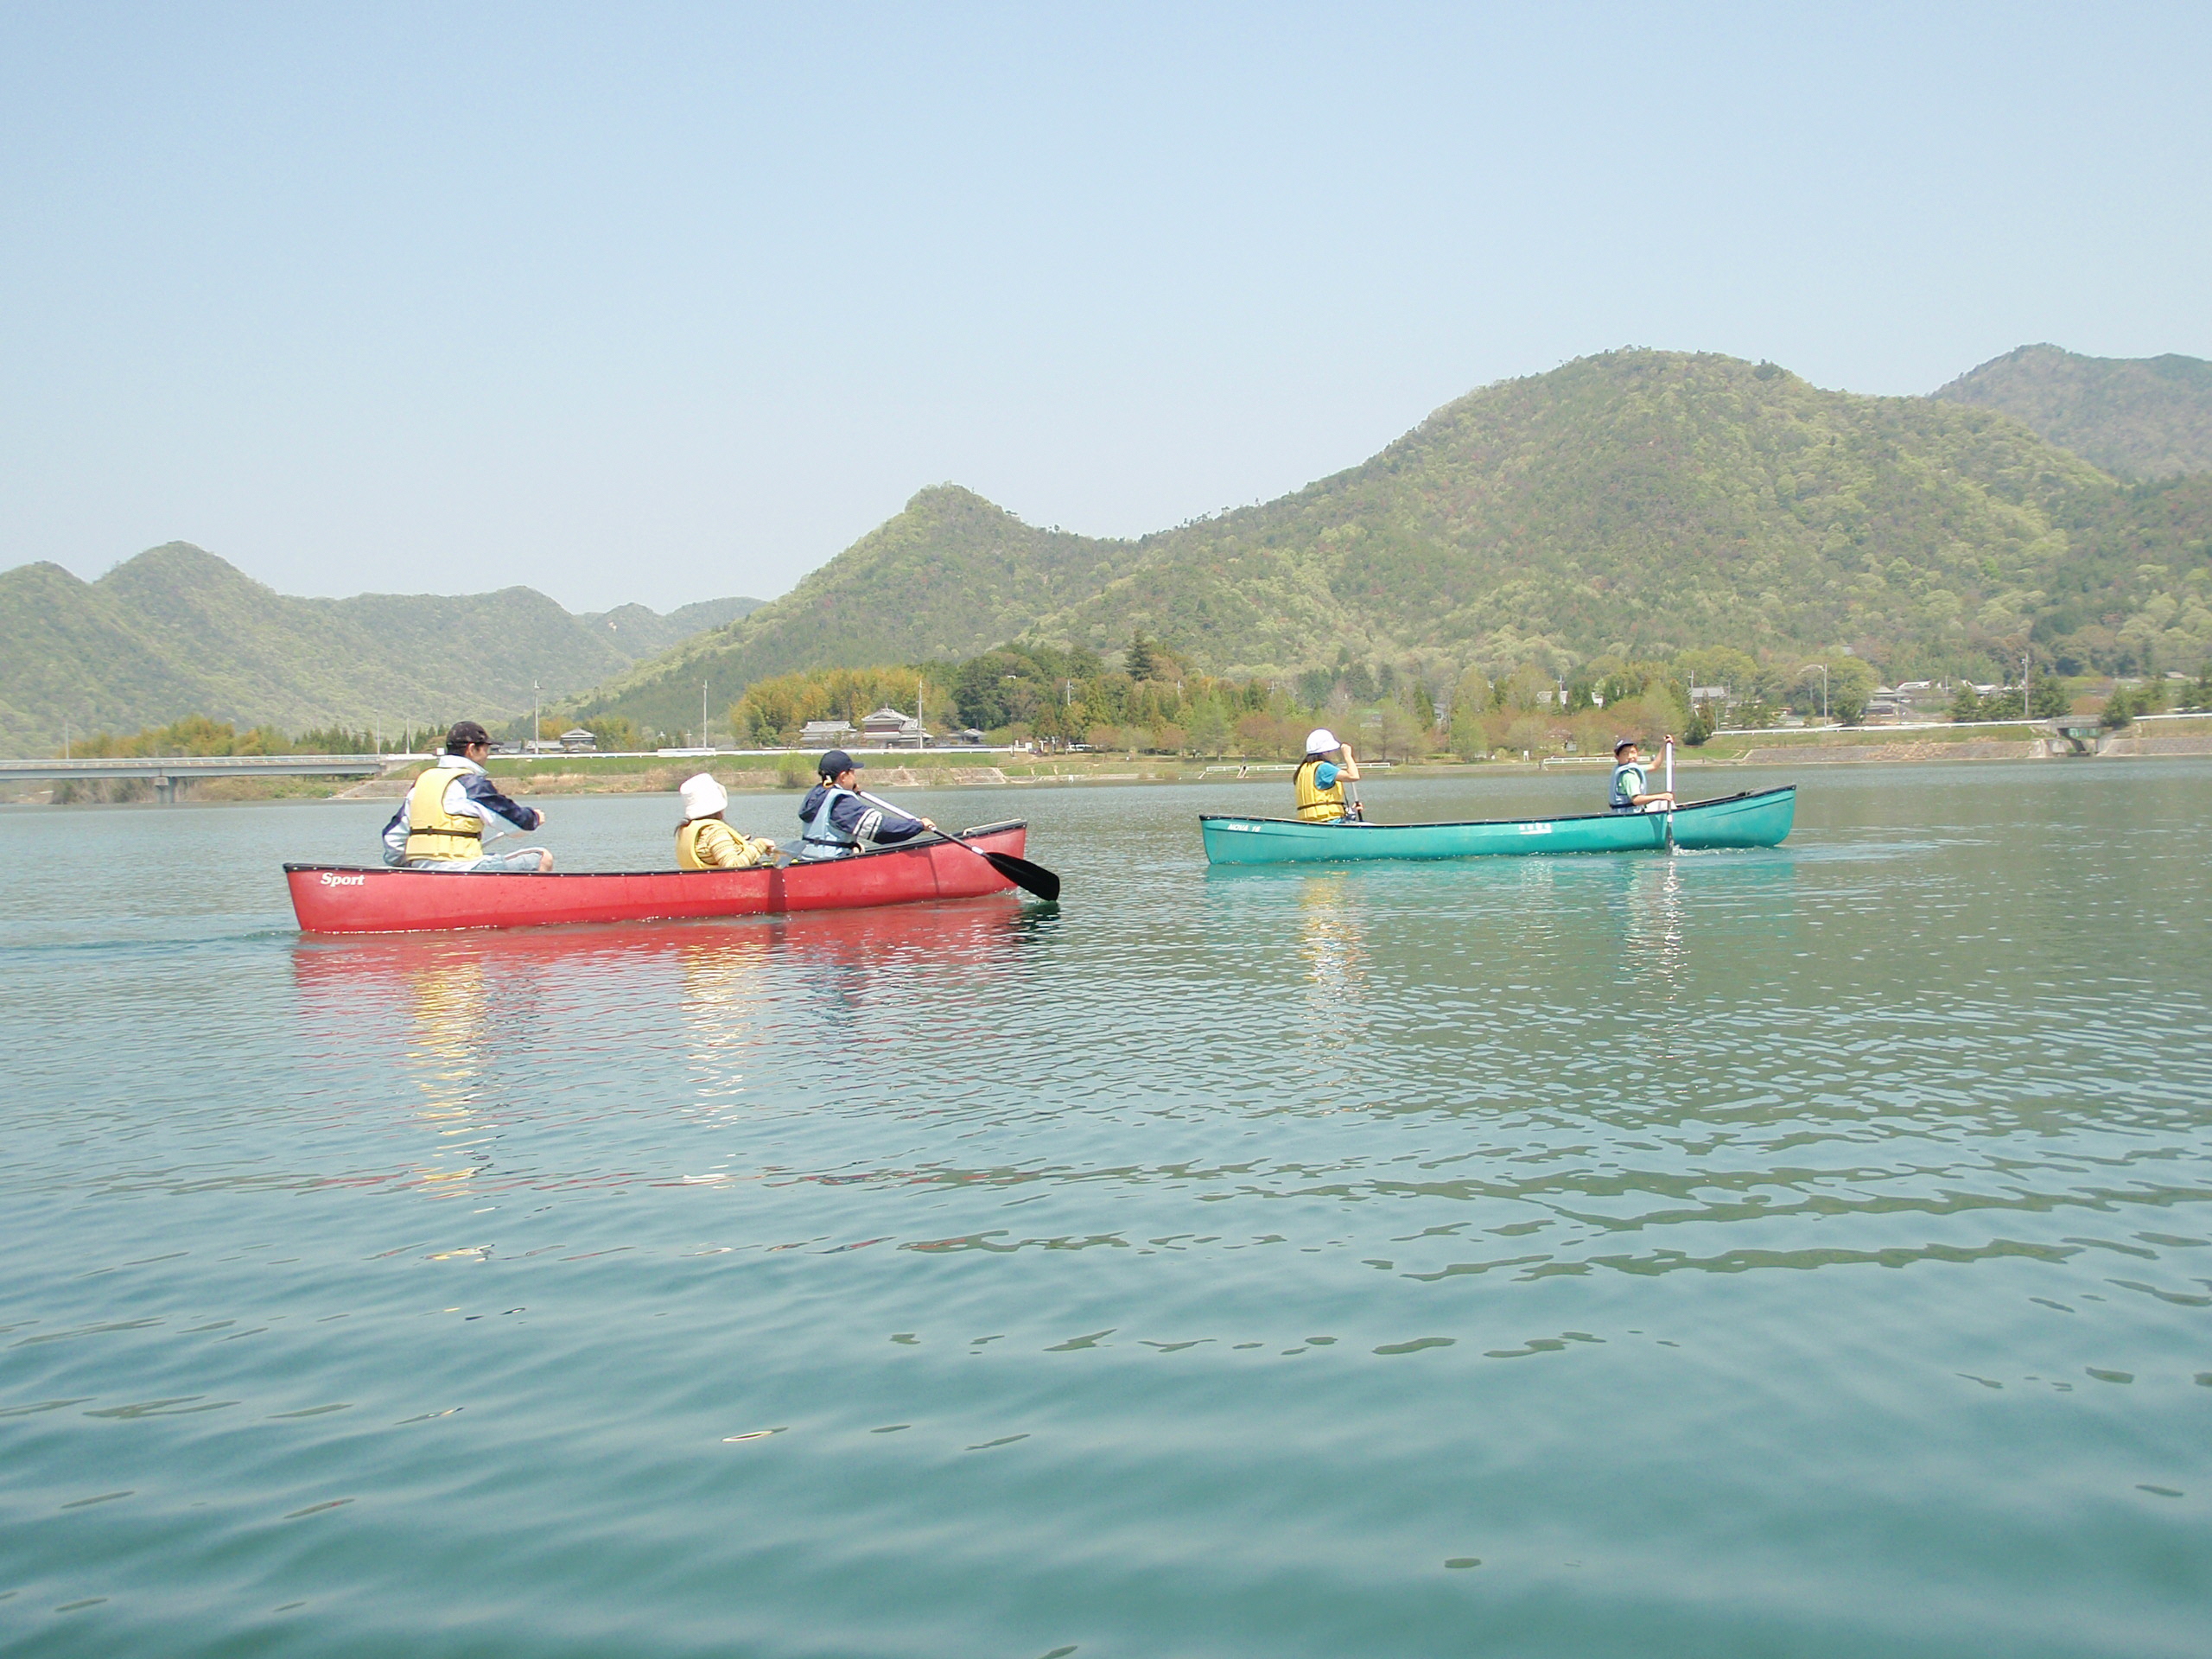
(729, 850)
(687, 845)
(433, 832)
(1317, 805)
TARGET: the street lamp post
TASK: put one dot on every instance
(1823, 667)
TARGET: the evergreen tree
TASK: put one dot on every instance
(1141, 661)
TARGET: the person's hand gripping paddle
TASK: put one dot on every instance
(1358, 812)
(1030, 878)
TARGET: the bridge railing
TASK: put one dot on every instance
(166, 772)
(202, 765)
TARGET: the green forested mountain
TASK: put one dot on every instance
(635, 631)
(949, 576)
(2134, 417)
(177, 631)
(1633, 504)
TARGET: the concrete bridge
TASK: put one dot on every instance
(168, 773)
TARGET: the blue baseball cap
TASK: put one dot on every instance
(836, 761)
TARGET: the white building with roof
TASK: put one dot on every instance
(889, 729)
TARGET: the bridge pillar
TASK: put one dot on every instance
(165, 789)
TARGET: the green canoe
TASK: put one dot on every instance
(1761, 818)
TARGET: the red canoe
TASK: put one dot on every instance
(348, 899)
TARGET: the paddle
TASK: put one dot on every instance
(1671, 792)
(1032, 878)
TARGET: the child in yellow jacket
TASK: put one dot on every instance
(704, 841)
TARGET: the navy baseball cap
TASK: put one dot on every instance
(834, 762)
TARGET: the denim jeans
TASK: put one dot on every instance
(521, 862)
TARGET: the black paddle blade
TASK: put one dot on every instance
(1033, 878)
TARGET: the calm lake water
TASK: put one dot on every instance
(1793, 1253)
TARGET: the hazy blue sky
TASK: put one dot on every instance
(658, 302)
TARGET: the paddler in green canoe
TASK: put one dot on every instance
(1631, 790)
(1320, 779)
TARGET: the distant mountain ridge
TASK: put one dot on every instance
(1636, 502)
(950, 576)
(178, 631)
(2135, 417)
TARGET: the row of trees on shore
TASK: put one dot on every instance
(1156, 701)
(198, 734)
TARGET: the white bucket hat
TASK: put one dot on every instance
(1320, 741)
(702, 796)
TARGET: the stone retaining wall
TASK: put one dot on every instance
(2175, 744)
(1973, 748)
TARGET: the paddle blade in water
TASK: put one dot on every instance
(1035, 878)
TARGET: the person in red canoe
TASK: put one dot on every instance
(439, 826)
(704, 840)
(835, 821)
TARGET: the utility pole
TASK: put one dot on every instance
(2025, 712)
(534, 718)
(1823, 667)
(702, 714)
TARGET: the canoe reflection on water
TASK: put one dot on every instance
(509, 976)
(470, 1021)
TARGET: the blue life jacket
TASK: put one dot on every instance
(1625, 792)
(820, 835)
